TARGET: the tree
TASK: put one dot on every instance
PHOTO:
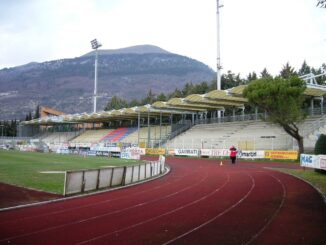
(265, 74)
(252, 77)
(149, 99)
(28, 116)
(161, 97)
(37, 112)
(176, 94)
(115, 103)
(230, 80)
(282, 99)
(188, 89)
(287, 71)
(320, 146)
(321, 3)
(305, 69)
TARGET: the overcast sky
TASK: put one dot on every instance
(254, 33)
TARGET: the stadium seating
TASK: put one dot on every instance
(91, 136)
(118, 134)
(248, 135)
(58, 137)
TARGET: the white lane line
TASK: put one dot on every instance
(254, 237)
(159, 216)
(217, 216)
(105, 214)
(177, 179)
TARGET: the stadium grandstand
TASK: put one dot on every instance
(189, 123)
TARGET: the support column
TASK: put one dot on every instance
(138, 127)
(312, 106)
(160, 129)
(149, 130)
(256, 113)
(322, 105)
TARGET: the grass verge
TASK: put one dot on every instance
(24, 168)
(317, 179)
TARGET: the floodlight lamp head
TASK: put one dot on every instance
(95, 44)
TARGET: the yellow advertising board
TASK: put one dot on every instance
(290, 155)
(155, 151)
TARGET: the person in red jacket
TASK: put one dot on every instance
(233, 154)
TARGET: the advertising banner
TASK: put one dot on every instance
(171, 152)
(125, 155)
(251, 154)
(155, 151)
(322, 161)
(214, 152)
(206, 152)
(310, 161)
(187, 152)
(220, 153)
(290, 155)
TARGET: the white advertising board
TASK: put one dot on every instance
(187, 152)
(132, 153)
(220, 153)
(251, 154)
(322, 161)
(310, 161)
(214, 152)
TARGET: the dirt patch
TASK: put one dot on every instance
(14, 196)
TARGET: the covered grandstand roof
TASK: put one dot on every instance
(314, 91)
(213, 100)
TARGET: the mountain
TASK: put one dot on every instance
(68, 84)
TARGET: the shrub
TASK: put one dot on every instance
(320, 146)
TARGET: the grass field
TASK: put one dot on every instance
(24, 168)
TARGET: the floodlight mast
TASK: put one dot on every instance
(218, 66)
(95, 45)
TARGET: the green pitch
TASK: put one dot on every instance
(25, 168)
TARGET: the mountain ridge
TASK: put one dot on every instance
(137, 49)
(68, 84)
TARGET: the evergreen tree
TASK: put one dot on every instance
(265, 74)
(320, 146)
(305, 69)
(282, 99)
(116, 103)
(134, 102)
(161, 97)
(176, 94)
(37, 112)
(200, 88)
(230, 80)
(252, 77)
(188, 89)
(149, 99)
(287, 71)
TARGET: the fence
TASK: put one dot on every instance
(95, 179)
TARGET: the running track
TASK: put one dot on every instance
(198, 202)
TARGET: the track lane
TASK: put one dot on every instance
(205, 212)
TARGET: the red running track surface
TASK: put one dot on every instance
(198, 202)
